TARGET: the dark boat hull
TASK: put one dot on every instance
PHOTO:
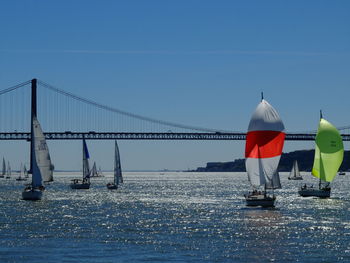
(322, 193)
(260, 200)
(32, 194)
(112, 186)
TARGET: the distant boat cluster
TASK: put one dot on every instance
(264, 145)
(42, 168)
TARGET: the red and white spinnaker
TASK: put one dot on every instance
(264, 144)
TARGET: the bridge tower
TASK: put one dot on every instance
(33, 113)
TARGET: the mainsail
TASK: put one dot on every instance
(41, 152)
(94, 170)
(8, 171)
(86, 156)
(264, 144)
(295, 170)
(329, 152)
(3, 166)
(118, 177)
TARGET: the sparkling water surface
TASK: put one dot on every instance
(173, 217)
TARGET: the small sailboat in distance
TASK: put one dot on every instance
(94, 170)
(8, 171)
(2, 175)
(329, 154)
(264, 144)
(85, 183)
(25, 171)
(118, 177)
(41, 167)
(21, 176)
(295, 173)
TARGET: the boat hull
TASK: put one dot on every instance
(295, 178)
(260, 200)
(112, 186)
(21, 179)
(32, 194)
(80, 186)
(322, 193)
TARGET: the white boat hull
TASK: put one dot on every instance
(260, 200)
(322, 193)
(32, 194)
(112, 186)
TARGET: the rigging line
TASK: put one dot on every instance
(87, 101)
(14, 87)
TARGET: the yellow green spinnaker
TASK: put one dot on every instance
(329, 151)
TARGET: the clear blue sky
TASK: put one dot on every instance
(202, 63)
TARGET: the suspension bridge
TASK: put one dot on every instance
(95, 121)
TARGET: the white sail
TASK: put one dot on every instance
(3, 166)
(118, 177)
(8, 171)
(86, 167)
(94, 170)
(41, 151)
(295, 170)
(25, 171)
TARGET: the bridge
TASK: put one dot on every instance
(16, 101)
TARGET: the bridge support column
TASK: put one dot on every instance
(33, 113)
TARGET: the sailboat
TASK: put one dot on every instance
(118, 177)
(21, 176)
(85, 182)
(2, 175)
(25, 171)
(295, 173)
(264, 144)
(94, 170)
(329, 153)
(8, 171)
(41, 166)
(99, 172)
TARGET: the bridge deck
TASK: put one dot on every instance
(150, 136)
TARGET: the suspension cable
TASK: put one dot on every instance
(4, 91)
(108, 108)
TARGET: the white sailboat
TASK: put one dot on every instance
(40, 163)
(94, 170)
(8, 171)
(118, 177)
(25, 171)
(295, 173)
(2, 175)
(99, 172)
(21, 176)
(85, 182)
(264, 144)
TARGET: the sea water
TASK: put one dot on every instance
(173, 217)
